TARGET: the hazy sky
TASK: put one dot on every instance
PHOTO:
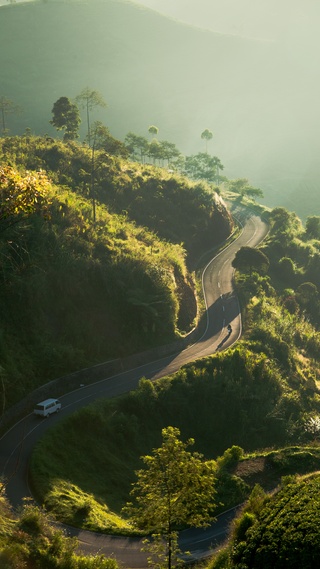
(254, 18)
(263, 19)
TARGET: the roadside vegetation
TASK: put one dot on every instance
(76, 289)
(253, 410)
(278, 530)
(29, 539)
(80, 271)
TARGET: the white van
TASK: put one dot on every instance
(45, 408)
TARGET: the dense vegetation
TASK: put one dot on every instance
(238, 397)
(97, 255)
(262, 393)
(30, 540)
(61, 268)
(171, 206)
(279, 531)
(76, 292)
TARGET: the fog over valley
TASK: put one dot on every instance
(247, 70)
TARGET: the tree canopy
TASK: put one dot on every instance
(202, 166)
(175, 488)
(248, 259)
(206, 135)
(153, 130)
(66, 117)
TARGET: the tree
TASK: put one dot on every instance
(248, 259)
(218, 166)
(137, 145)
(206, 135)
(20, 195)
(169, 151)
(153, 130)
(155, 150)
(238, 185)
(66, 117)
(6, 107)
(175, 488)
(88, 100)
(98, 136)
(307, 294)
(241, 186)
(313, 227)
(201, 166)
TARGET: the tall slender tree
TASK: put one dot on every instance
(206, 135)
(89, 99)
(137, 145)
(7, 107)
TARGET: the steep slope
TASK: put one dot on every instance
(76, 292)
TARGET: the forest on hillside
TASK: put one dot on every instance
(90, 278)
(68, 259)
(103, 239)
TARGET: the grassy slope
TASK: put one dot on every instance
(264, 393)
(74, 294)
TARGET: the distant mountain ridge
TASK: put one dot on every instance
(154, 70)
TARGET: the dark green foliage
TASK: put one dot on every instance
(66, 117)
(242, 187)
(285, 533)
(248, 259)
(287, 270)
(243, 524)
(223, 401)
(71, 289)
(32, 541)
(202, 166)
(295, 260)
(313, 227)
(173, 207)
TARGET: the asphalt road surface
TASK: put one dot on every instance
(222, 309)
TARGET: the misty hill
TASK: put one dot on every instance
(266, 19)
(154, 70)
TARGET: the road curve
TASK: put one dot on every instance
(222, 309)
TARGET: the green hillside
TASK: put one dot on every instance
(262, 393)
(280, 531)
(75, 292)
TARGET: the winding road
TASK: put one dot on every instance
(222, 305)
